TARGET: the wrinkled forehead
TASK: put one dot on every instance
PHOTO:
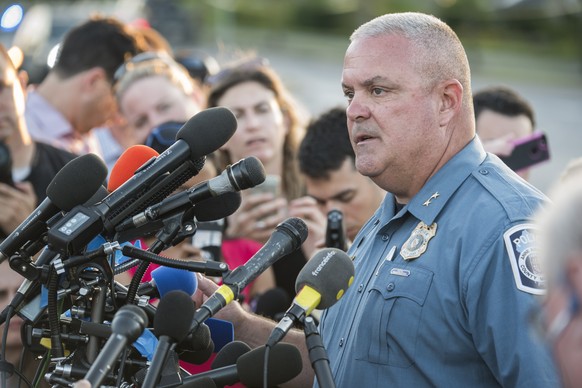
(380, 56)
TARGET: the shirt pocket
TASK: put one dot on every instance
(392, 315)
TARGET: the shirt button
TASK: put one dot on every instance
(360, 287)
(483, 171)
(390, 286)
(385, 237)
(341, 342)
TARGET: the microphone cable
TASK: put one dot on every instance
(265, 366)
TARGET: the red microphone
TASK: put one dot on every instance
(128, 163)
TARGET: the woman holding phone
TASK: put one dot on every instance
(270, 127)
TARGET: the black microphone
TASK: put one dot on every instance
(127, 325)
(287, 237)
(197, 347)
(73, 185)
(171, 325)
(209, 229)
(335, 233)
(5, 165)
(284, 364)
(229, 354)
(244, 174)
(82, 224)
(321, 283)
(272, 303)
(209, 210)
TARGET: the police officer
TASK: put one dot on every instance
(445, 269)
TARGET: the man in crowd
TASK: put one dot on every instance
(502, 116)
(327, 161)
(77, 94)
(32, 165)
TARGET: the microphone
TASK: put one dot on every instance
(209, 228)
(214, 208)
(127, 325)
(166, 279)
(171, 325)
(128, 164)
(245, 173)
(321, 283)
(30, 286)
(272, 303)
(287, 237)
(203, 382)
(284, 363)
(335, 234)
(197, 347)
(73, 185)
(82, 224)
(229, 354)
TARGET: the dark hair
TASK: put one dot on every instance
(326, 145)
(259, 72)
(503, 100)
(99, 42)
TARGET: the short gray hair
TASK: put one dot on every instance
(442, 55)
(559, 234)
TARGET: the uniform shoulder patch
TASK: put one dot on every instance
(522, 251)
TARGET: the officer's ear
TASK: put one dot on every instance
(450, 94)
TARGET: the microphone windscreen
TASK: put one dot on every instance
(77, 181)
(272, 303)
(174, 315)
(330, 272)
(215, 208)
(296, 228)
(197, 357)
(202, 382)
(171, 279)
(221, 332)
(251, 171)
(128, 163)
(208, 130)
(229, 354)
(284, 364)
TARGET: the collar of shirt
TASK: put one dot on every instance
(431, 199)
(44, 121)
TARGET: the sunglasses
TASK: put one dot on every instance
(140, 58)
(163, 136)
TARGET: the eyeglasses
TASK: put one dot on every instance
(550, 331)
(250, 64)
(141, 58)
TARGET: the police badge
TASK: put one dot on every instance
(521, 248)
(418, 241)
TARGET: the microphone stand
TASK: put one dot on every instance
(317, 354)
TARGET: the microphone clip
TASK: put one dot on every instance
(25, 267)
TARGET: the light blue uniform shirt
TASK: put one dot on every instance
(455, 316)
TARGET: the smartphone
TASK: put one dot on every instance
(528, 151)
